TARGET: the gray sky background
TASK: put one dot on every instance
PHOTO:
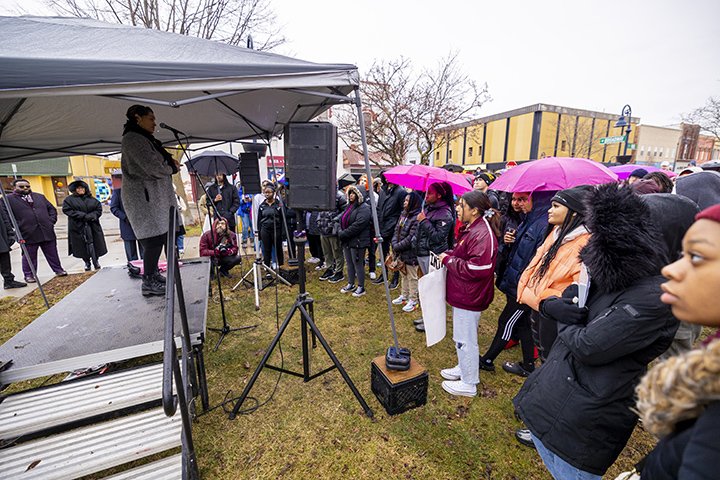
(660, 56)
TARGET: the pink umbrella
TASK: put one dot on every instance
(552, 174)
(624, 171)
(418, 177)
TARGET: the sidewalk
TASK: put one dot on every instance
(115, 255)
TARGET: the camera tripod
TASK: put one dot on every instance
(304, 305)
(257, 273)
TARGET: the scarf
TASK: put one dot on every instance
(131, 126)
(345, 219)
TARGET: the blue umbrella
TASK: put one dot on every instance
(212, 162)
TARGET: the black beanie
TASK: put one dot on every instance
(573, 198)
(488, 178)
(639, 173)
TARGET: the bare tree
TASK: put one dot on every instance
(577, 137)
(228, 21)
(404, 109)
(707, 116)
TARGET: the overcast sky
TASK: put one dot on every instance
(660, 56)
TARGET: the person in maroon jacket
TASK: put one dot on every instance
(469, 286)
(221, 245)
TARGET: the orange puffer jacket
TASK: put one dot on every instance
(563, 270)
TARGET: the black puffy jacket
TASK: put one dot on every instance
(326, 220)
(579, 402)
(435, 232)
(358, 233)
(402, 239)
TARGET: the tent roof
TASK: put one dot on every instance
(67, 82)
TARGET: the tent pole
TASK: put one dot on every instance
(376, 223)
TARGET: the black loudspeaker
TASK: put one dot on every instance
(250, 173)
(311, 165)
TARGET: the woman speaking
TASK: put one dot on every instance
(147, 192)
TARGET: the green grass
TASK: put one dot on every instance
(318, 430)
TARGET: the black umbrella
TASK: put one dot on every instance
(212, 162)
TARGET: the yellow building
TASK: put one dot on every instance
(529, 133)
(51, 176)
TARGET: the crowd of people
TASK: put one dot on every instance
(598, 282)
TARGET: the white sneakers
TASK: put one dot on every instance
(399, 300)
(410, 306)
(459, 388)
(313, 260)
(451, 373)
(453, 385)
(373, 276)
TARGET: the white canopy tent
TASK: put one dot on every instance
(65, 84)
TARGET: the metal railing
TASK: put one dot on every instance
(171, 364)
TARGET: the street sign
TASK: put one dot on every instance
(631, 146)
(616, 139)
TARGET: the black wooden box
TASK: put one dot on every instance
(399, 391)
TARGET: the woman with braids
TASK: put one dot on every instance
(469, 287)
(555, 266)
(679, 399)
(147, 192)
(435, 228)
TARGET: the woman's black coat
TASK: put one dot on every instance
(358, 232)
(402, 240)
(435, 232)
(579, 403)
(84, 225)
(269, 219)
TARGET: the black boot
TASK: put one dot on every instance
(96, 264)
(87, 265)
(160, 279)
(151, 287)
(395, 280)
(133, 271)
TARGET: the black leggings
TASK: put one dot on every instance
(270, 240)
(152, 248)
(515, 318)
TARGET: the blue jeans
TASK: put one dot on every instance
(559, 468)
(246, 228)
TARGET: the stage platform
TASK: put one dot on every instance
(106, 319)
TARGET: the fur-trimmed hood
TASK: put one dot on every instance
(357, 191)
(624, 244)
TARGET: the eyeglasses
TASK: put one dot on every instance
(22, 186)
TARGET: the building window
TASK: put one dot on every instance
(563, 145)
(437, 155)
(470, 149)
(480, 150)
(450, 154)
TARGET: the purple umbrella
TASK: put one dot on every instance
(552, 174)
(418, 177)
(624, 171)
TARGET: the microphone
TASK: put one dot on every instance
(174, 130)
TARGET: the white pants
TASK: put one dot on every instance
(465, 336)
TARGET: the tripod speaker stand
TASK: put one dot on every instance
(304, 305)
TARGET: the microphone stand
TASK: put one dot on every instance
(226, 329)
